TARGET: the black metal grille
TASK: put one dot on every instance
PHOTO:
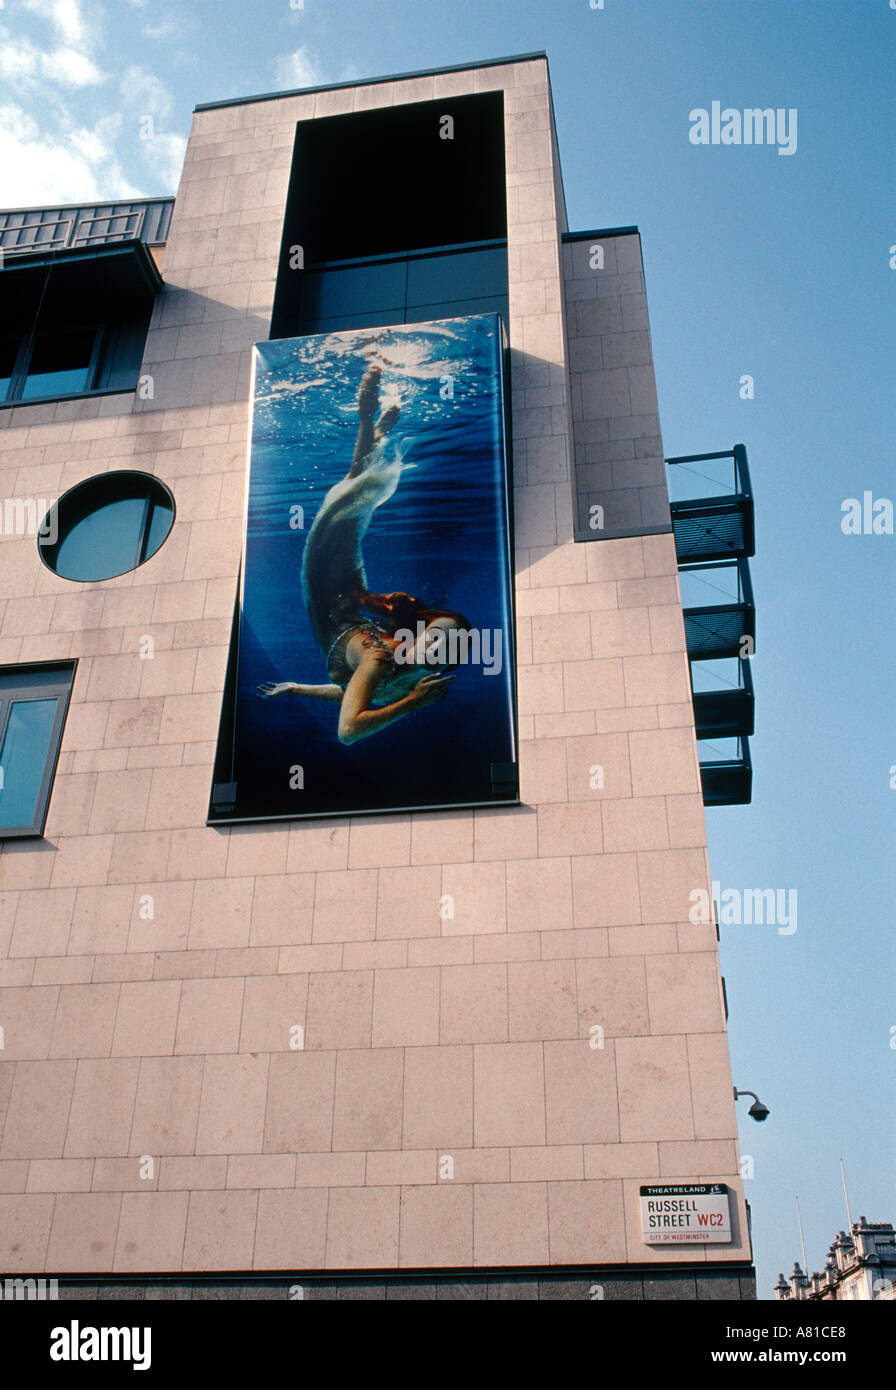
(719, 529)
(716, 632)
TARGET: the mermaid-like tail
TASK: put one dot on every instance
(333, 574)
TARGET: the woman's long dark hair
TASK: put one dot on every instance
(403, 611)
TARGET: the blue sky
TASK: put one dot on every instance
(757, 263)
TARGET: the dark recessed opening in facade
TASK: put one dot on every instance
(74, 321)
(403, 178)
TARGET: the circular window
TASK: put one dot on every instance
(106, 526)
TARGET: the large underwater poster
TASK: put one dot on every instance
(375, 662)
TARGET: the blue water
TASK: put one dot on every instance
(442, 536)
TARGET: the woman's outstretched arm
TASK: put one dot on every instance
(312, 692)
(357, 720)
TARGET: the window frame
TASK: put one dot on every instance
(38, 681)
(99, 482)
(109, 290)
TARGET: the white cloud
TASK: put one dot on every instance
(23, 63)
(17, 60)
(64, 15)
(298, 69)
(165, 158)
(142, 91)
(168, 27)
(71, 68)
(43, 169)
(96, 145)
(145, 95)
(17, 124)
(68, 20)
(57, 146)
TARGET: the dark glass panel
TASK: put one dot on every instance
(352, 289)
(103, 543)
(123, 344)
(160, 524)
(9, 351)
(462, 275)
(426, 313)
(382, 319)
(60, 363)
(23, 758)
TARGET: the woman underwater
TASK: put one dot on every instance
(374, 679)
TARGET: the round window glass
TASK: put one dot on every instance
(106, 526)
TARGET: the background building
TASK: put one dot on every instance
(158, 1121)
(861, 1265)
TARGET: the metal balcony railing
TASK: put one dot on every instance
(726, 772)
(723, 613)
(712, 506)
(724, 702)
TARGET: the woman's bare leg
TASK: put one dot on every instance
(368, 433)
(332, 562)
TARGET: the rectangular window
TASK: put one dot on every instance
(72, 361)
(33, 705)
(61, 364)
(74, 324)
(407, 289)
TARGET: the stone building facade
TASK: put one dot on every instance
(155, 1124)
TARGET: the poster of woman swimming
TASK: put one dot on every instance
(375, 666)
